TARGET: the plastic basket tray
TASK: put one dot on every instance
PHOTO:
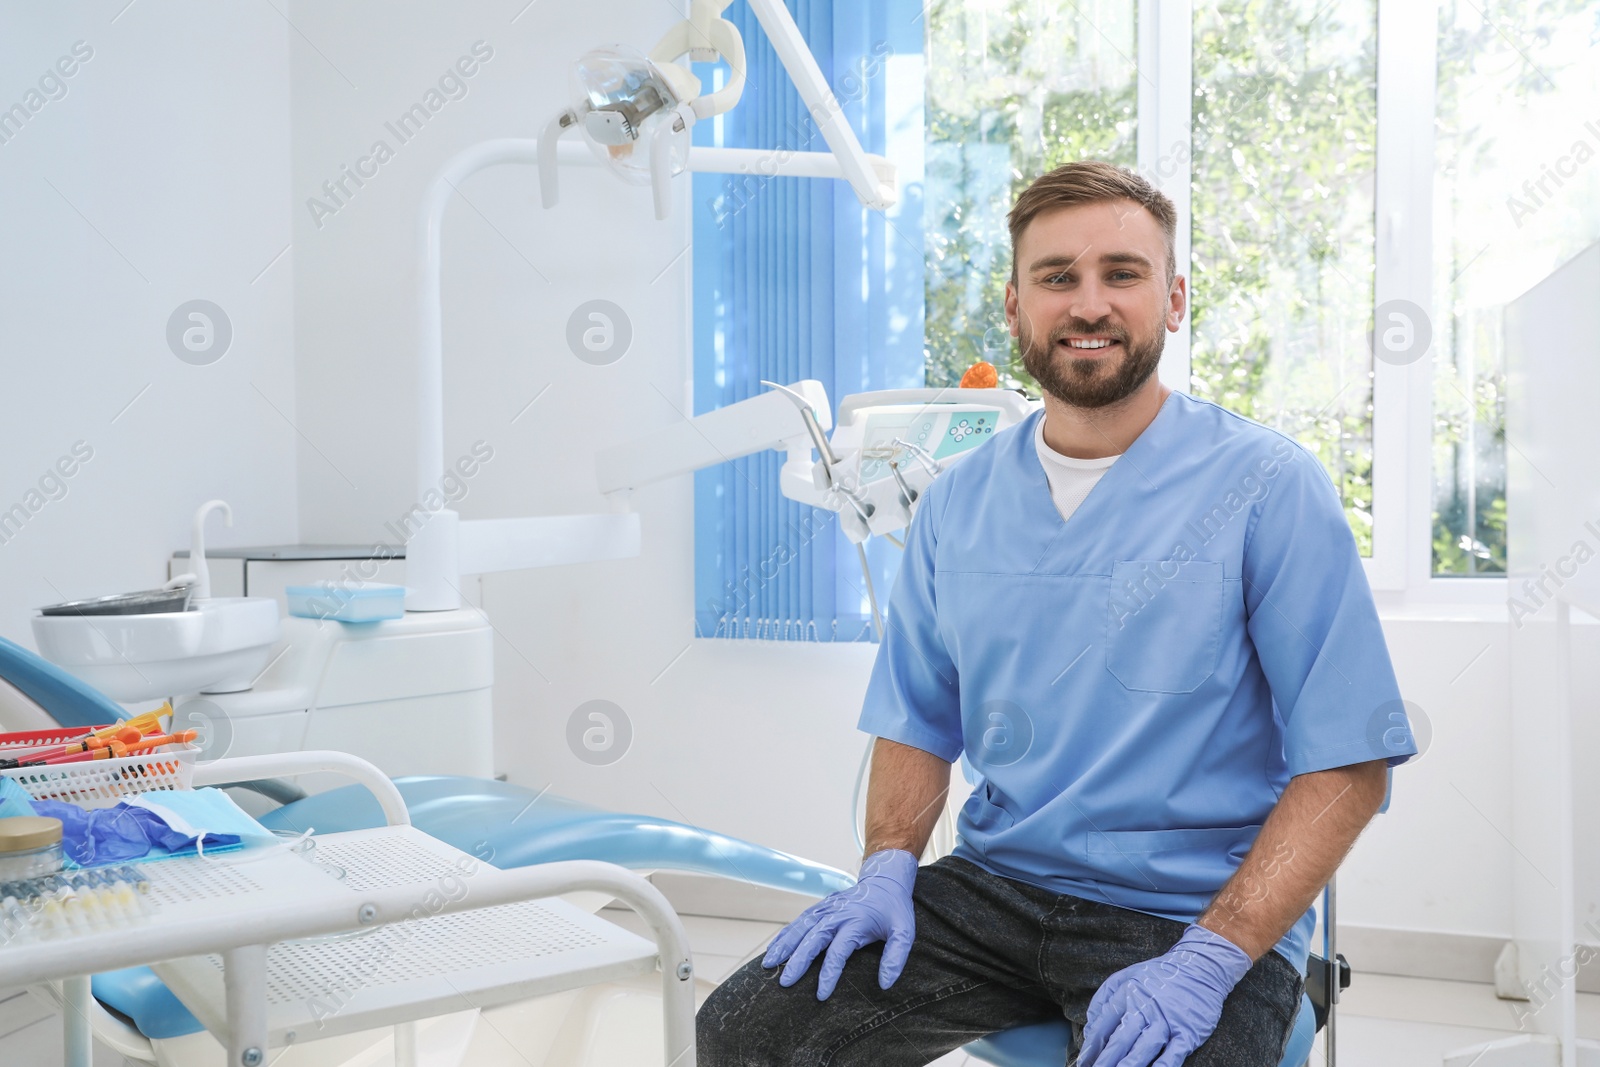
(102, 783)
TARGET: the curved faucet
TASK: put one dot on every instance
(197, 545)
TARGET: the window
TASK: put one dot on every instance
(1282, 150)
(1284, 132)
(794, 279)
(1296, 137)
(1013, 90)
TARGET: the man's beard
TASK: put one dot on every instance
(1089, 382)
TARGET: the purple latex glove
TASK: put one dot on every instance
(877, 908)
(1159, 1011)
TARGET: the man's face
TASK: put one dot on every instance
(1091, 306)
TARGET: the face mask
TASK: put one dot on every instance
(14, 800)
(198, 812)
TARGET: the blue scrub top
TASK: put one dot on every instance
(1136, 685)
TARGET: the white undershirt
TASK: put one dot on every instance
(1070, 479)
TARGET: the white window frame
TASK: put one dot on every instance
(1400, 568)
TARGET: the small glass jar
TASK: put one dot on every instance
(30, 847)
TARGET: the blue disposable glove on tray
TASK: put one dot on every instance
(1159, 1011)
(877, 908)
(94, 838)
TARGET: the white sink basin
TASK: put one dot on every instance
(219, 645)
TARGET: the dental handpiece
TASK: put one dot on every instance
(923, 456)
(908, 495)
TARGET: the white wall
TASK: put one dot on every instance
(1439, 859)
(175, 141)
(161, 176)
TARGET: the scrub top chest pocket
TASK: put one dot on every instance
(1164, 623)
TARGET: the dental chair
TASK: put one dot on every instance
(505, 825)
(508, 826)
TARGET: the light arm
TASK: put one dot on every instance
(444, 547)
(770, 420)
(824, 107)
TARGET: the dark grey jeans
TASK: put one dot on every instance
(991, 953)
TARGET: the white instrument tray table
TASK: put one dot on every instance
(382, 975)
(278, 944)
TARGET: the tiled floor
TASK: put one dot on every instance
(1384, 1022)
(30, 1034)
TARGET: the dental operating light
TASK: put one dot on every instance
(635, 111)
(635, 114)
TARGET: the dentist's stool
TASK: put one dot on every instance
(1048, 1044)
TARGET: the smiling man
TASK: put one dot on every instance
(1144, 622)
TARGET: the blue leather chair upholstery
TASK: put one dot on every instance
(512, 826)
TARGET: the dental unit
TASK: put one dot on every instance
(251, 681)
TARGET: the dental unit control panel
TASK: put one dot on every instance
(894, 436)
(887, 447)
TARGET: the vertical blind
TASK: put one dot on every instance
(794, 279)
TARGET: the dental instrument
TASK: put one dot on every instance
(149, 744)
(861, 471)
(126, 736)
(112, 750)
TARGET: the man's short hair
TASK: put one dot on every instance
(1091, 181)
